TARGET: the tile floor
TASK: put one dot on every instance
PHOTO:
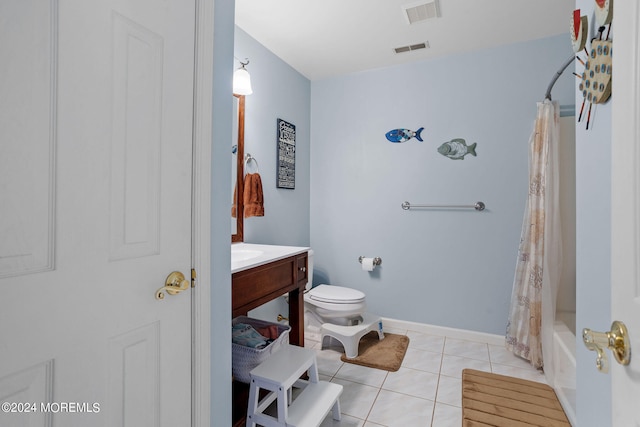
(426, 391)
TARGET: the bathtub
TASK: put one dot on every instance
(564, 359)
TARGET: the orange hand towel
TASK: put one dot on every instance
(234, 205)
(253, 197)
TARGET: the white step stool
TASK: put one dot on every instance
(278, 374)
(350, 336)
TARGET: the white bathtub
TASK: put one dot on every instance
(564, 358)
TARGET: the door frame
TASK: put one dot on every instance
(201, 215)
(625, 207)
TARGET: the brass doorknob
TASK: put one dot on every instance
(616, 340)
(175, 283)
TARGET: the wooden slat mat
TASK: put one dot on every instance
(497, 400)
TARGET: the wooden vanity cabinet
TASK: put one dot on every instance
(255, 286)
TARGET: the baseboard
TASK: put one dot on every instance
(461, 334)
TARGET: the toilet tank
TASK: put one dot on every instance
(309, 270)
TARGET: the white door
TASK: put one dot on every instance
(96, 104)
(625, 248)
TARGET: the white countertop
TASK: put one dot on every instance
(248, 255)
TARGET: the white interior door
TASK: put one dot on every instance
(625, 248)
(96, 101)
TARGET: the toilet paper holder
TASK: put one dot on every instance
(376, 261)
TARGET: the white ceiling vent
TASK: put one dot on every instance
(421, 11)
(409, 48)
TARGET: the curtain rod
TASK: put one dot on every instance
(557, 75)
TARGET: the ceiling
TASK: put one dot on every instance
(327, 38)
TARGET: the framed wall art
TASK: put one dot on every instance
(286, 155)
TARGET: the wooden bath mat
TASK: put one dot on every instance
(386, 354)
(497, 400)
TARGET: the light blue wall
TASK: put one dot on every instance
(220, 237)
(593, 251)
(278, 92)
(450, 268)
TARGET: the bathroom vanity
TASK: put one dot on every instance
(259, 274)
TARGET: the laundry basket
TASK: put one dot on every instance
(244, 358)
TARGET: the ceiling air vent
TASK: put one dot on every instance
(421, 11)
(409, 48)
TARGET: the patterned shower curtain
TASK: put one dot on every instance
(533, 299)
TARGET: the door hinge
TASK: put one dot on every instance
(194, 275)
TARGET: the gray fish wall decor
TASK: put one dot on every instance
(457, 148)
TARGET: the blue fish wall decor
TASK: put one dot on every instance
(457, 148)
(403, 135)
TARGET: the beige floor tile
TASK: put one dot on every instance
(399, 410)
(412, 382)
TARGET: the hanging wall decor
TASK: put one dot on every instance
(286, 155)
(595, 80)
(457, 148)
(579, 31)
(603, 12)
(403, 135)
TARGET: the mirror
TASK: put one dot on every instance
(237, 170)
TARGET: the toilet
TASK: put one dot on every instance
(335, 304)
(331, 304)
(337, 312)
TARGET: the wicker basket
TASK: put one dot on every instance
(244, 359)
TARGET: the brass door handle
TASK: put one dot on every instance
(616, 340)
(175, 283)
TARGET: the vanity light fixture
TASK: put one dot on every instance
(242, 80)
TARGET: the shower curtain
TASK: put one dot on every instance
(538, 267)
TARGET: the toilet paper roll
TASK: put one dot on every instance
(367, 264)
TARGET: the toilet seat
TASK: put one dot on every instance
(335, 304)
(335, 295)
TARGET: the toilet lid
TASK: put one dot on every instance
(336, 294)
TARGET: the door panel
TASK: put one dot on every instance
(27, 149)
(96, 164)
(135, 143)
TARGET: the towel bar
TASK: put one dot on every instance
(479, 206)
(249, 158)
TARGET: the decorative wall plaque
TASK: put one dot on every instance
(286, 155)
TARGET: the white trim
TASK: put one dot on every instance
(201, 214)
(461, 334)
(625, 208)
